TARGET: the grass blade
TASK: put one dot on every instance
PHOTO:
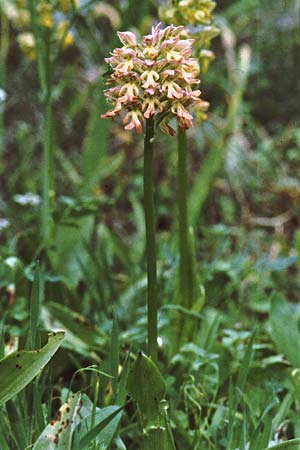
(114, 356)
(245, 366)
(35, 303)
(93, 433)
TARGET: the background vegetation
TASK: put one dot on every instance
(237, 379)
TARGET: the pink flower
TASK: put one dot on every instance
(173, 89)
(135, 119)
(153, 78)
(127, 38)
(151, 105)
(129, 91)
(184, 118)
(150, 78)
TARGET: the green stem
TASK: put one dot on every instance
(4, 44)
(39, 47)
(185, 278)
(48, 174)
(42, 48)
(150, 241)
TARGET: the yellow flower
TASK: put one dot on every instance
(62, 32)
(27, 45)
(199, 14)
(194, 12)
(66, 5)
(44, 12)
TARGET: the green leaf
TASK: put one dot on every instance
(3, 442)
(114, 355)
(2, 341)
(95, 144)
(146, 385)
(294, 444)
(123, 381)
(78, 328)
(245, 365)
(19, 368)
(69, 246)
(262, 432)
(283, 410)
(103, 425)
(58, 434)
(285, 332)
(35, 304)
(157, 439)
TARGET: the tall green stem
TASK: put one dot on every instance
(44, 66)
(4, 44)
(48, 173)
(185, 275)
(150, 241)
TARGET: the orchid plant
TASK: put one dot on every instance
(153, 81)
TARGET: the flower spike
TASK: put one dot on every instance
(156, 77)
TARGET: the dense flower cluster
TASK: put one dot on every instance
(189, 11)
(197, 13)
(154, 78)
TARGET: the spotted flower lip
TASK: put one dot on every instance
(154, 78)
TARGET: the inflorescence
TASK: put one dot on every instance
(156, 77)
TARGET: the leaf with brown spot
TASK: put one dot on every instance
(18, 369)
(58, 434)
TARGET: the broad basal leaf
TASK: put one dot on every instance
(285, 332)
(146, 385)
(19, 368)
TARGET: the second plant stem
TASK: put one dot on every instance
(44, 69)
(150, 240)
(185, 276)
(48, 174)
